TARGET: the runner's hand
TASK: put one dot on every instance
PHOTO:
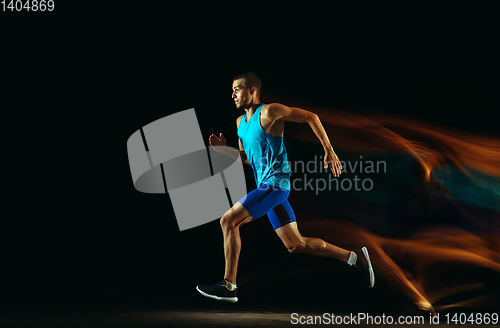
(213, 140)
(331, 160)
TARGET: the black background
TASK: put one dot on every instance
(79, 81)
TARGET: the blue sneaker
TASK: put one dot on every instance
(219, 292)
(364, 265)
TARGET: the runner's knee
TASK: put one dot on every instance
(227, 221)
(297, 247)
(230, 221)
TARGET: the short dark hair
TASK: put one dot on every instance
(250, 80)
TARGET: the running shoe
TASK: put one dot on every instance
(364, 265)
(219, 292)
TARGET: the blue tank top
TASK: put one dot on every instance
(266, 153)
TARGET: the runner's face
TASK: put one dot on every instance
(241, 94)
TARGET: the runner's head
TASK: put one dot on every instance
(246, 90)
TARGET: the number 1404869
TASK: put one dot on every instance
(28, 5)
(473, 318)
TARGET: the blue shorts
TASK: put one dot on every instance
(270, 200)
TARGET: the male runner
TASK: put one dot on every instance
(260, 133)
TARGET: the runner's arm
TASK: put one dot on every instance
(293, 114)
(244, 158)
(220, 145)
(298, 115)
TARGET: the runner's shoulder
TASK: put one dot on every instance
(271, 109)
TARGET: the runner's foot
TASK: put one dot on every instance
(220, 292)
(364, 265)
